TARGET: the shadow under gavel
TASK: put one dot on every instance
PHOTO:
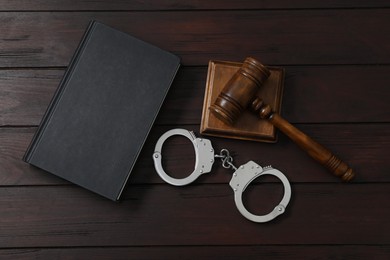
(239, 93)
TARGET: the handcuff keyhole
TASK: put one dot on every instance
(263, 195)
(178, 156)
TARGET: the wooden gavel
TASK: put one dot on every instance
(239, 93)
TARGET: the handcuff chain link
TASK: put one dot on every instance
(227, 160)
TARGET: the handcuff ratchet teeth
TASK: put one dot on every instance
(242, 177)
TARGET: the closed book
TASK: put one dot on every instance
(104, 107)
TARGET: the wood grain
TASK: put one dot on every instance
(71, 5)
(162, 215)
(320, 94)
(25, 94)
(274, 37)
(203, 252)
(336, 56)
(365, 147)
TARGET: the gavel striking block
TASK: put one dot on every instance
(240, 93)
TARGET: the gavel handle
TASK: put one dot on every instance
(314, 149)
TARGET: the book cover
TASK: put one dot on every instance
(104, 107)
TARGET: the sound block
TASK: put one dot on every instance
(248, 126)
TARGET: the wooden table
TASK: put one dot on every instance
(337, 89)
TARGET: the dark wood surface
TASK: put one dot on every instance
(337, 89)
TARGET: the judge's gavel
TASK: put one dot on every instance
(239, 93)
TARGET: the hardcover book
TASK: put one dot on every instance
(104, 107)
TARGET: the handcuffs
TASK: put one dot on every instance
(242, 176)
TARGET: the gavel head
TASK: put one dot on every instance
(239, 91)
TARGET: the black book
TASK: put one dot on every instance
(101, 114)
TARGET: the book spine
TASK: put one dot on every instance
(57, 95)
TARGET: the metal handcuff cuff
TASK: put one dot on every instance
(242, 176)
